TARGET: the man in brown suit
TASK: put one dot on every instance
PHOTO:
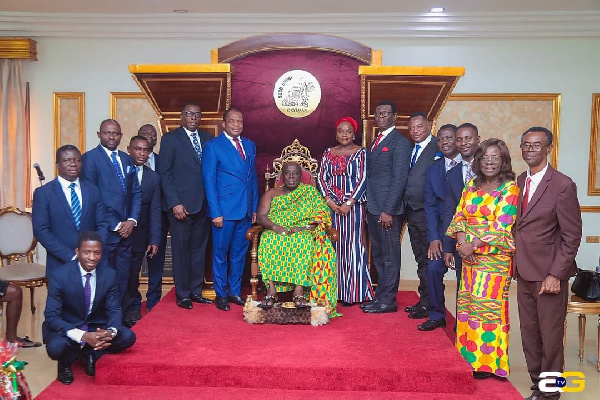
(548, 234)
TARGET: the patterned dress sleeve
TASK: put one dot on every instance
(459, 221)
(323, 176)
(499, 228)
(360, 188)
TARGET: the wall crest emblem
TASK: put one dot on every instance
(297, 93)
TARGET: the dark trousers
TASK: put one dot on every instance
(385, 250)
(60, 347)
(188, 246)
(436, 269)
(132, 300)
(229, 247)
(417, 231)
(118, 253)
(542, 318)
(156, 265)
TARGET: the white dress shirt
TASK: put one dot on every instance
(76, 334)
(151, 162)
(535, 181)
(232, 141)
(189, 134)
(64, 184)
(422, 146)
(383, 135)
(140, 173)
(448, 161)
(109, 154)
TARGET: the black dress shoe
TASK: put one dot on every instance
(481, 375)
(345, 304)
(136, 316)
(373, 304)
(367, 304)
(236, 300)
(200, 299)
(89, 363)
(129, 323)
(381, 308)
(430, 325)
(420, 313)
(412, 309)
(185, 303)
(222, 303)
(65, 374)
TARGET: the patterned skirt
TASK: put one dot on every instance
(482, 313)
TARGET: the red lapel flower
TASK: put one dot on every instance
(385, 149)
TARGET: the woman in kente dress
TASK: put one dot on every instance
(294, 250)
(482, 227)
(342, 181)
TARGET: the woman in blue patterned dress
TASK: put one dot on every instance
(342, 181)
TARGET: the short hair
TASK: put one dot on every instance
(232, 108)
(146, 125)
(288, 163)
(469, 125)
(452, 127)
(114, 121)
(190, 103)
(64, 149)
(138, 137)
(506, 171)
(388, 103)
(418, 114)
(88, 236)
(548, 133)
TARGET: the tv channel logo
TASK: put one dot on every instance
(568, 382)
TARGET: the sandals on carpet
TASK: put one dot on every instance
(301, 302)
(268, 301)
(26, 342)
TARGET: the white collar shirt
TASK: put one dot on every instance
(109, 154)
(535, 181)
(232, 141)
(422, 146)
(64, 184)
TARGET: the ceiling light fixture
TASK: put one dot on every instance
(180, 11)
(437, 9)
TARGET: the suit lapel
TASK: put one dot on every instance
(375, 153)
(235, 155)
(60, 196)
(539, 191)
(99, 289)
(78, 287)
(428, 153)
(186, 143)
(84, 196)
(109, 164)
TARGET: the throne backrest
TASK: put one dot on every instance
(295, 152)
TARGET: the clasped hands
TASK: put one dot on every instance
(342, 209)
(99, 340)
(280, 230)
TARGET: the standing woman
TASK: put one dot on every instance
(482, 227)
(342, 181)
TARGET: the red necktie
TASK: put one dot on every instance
(379, 138)
(238, 146)
(525, 196)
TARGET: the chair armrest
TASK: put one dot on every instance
(332, 233)
(253, 231)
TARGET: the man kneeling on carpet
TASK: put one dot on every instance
(294, 251)
(83, 311)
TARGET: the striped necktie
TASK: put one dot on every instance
(414, 157)
(75, 206)
(469, 173)
(238, 146)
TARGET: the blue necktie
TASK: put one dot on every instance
(414, 157)
(87, 290)
(118, 169)
(197, 146)
(75, 206)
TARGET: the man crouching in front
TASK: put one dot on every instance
(83, 311)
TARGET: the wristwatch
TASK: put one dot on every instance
(348, 203)
(113, 331)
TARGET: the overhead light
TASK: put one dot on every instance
(437, 9)
(184, 11)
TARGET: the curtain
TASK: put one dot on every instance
(14, 135)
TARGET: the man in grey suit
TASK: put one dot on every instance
(387, 173)
(423, 154)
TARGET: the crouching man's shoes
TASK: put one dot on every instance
(65, 374)
(89, 364)
(430, 325)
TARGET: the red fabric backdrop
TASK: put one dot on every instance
(252, 88)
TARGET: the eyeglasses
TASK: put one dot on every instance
(189, 114)
(531, 146)
(382, 114)
(489, 160)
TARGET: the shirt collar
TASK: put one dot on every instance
(151, 156)
(387, 131)
(425, 142)
(189, 133)
(109, 152)
(467, 163)
(458, 159)
(83, 272)
(537, 177)
(65, 183)
(231, 138)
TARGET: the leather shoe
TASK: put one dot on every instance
(236, 300)
(222, 303)
(413, 308)
(368, 304)
(65, 374)
(481, 375)
(136, 316)
(381, 308)
(420, 313)
(373, 304)
(200, 299)
(185, 303)
(89, 363)
(430, 325)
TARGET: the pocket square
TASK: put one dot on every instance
(385, 149)
(438, 155)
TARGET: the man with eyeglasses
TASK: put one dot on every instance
(387, 174)
(180, 170)
(547, 238)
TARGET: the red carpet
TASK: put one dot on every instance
(206, 353)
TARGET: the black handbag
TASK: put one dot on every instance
(587, 284)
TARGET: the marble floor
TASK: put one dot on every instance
(41, 371)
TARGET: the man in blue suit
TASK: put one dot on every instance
(435, 191)
(64, 207)
(180, 170)
(146, 235)
(114, 173)
(229, 173)
(83, 311)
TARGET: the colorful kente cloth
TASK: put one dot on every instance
(304, 258)
(482, 305)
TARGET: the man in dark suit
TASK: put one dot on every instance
(229, 173)
(113, 172)
(547, 234)
(180, 170)
(387, 172)
(424, 152)
(156, 264)
(64, 207)
(146, 235)
(83, 311)
(435, 190)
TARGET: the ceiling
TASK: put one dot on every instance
(293, 6)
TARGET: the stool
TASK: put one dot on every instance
(583, 307)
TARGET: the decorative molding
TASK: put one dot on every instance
(357, 26)
(21, 48)
(590, 209)
(593, 176)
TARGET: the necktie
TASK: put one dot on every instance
(525, 201)
(414, 157)
(197, 146)
(379, 139)
(75, 206)
(469, 174)
(452, 164)
(87, 290)
(238, 146)
(139, 173)
(113, 156)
